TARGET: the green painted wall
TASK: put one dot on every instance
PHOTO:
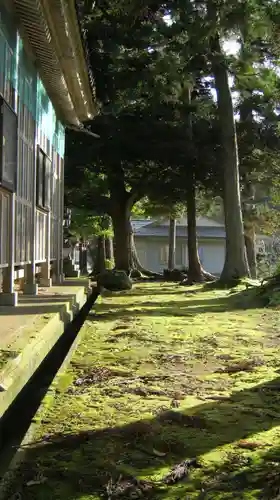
(18, 73)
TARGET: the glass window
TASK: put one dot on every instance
(47, 179)
(8, 146)
(43, 179)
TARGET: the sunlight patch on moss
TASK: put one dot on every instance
(163, 375)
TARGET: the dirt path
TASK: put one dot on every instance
(162, 376)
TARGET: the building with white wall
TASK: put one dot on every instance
(151, 240)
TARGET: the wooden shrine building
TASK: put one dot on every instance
(44, 86)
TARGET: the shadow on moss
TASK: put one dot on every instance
(82, 464)
(244, 300)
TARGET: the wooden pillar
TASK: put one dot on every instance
(30, 285)
(58, 271)
(60, 240)
(9, 296)
(59, 255)
(45, 279)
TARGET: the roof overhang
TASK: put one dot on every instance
(53, 33)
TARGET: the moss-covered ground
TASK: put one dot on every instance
(164, 374)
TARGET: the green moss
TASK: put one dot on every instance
(163, 375)
(7, 355)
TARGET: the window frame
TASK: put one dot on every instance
(8, 184)
(43, 176)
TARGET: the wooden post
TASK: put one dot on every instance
(60, 238)
(59, 224)
(172, 244)
(9, 297)
(30, 285)
(59, 209)
(45, 279)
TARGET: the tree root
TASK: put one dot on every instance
(139, 272)
(136, 265)
(201, 277)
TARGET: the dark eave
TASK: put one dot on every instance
(79, 11)
(52, 30)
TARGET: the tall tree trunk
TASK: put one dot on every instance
(121, 223)
(125, 254)
(135, 263)
(248, 192)
(100, 255)
(236, 265)
(121, 202)
(196, 274)
(250, 245)
(172, 244)
(195, 271)
(109, 248)
(249, 226)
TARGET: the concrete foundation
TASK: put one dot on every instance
(30, 289)
(30, 331)
(9, 299)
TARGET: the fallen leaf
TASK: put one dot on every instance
(180, 471)
(127, 488)
(250, 445)
(159, 453)
(39, 479)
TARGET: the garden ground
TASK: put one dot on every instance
(164, 374)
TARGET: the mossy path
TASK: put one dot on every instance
(163, 375)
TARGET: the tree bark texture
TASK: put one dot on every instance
(125, 254)
(196, 273)
(194, 269)
(250, 245)
(172, 244)
(100, 255)
(134, 259)
(109, 248)
(235, 265)
(121, 224)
